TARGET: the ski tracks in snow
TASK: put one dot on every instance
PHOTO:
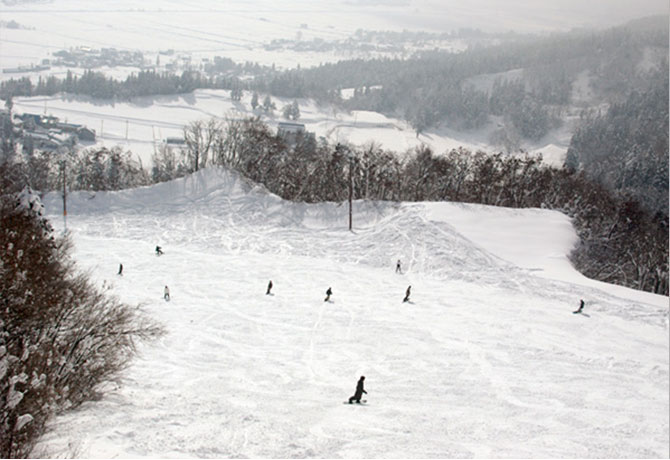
(487, 360)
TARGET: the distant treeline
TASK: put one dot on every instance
(620, 241)
(98, 85)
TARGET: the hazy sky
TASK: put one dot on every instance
(520, 15)
(434, 15)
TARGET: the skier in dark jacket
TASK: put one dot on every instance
(159, 251)
(359, 391)
(269, 288)
(120, 269)
(398, 268)
(581, 306)
(329, 292)
(407, 292)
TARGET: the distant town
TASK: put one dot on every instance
(45, 132)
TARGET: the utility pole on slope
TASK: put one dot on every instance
(64, 200)
(351, 187)
(62, 151)
(350, 156)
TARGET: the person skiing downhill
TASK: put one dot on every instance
(398, 269)
(159, 251)
(166, 293)
(329, 292)
(120, 269)
(359, 391)
(581, 306)
(407, 292)
(269, 288)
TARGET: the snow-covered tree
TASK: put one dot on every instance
(292, 111)
(268, 105)
(236, 93)
(168, 163)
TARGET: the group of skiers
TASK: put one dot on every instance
(359, 386)
(329, 291)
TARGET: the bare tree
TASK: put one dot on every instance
(199, 137)
(228, 141)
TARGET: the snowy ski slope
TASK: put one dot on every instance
(487, 359)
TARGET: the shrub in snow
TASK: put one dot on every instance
(30, 201)
(60, 338)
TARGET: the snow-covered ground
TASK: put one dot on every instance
(238, 29)
(487, 359)
(142, 124)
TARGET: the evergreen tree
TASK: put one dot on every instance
(236, 94)
(268, 105)
(292, 111)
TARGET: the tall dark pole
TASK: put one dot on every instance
(351, 186)
(64, 199)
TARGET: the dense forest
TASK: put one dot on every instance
(626, 148)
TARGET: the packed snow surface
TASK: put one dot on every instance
(486, 360)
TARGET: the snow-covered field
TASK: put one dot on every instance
(487, 359)
(238, 29)
(141, 125)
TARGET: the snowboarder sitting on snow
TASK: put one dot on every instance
(166, 293)
(581, 306)
(398, 269)
(359, 391)
(269, 288)
(159, 251)
(407, 292)
(329, 292)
